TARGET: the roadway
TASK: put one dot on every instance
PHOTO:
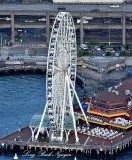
(27, 16)
(34, 46)
(70, 7)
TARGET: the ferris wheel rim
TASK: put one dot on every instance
(56, 72)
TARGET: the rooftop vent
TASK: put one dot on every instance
(116, 92)
(109, 89)
(129, 103)
(115, 87)
(127, 92)
(120, 84)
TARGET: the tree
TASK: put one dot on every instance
(108, 54)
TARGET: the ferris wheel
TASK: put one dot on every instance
(61, 75)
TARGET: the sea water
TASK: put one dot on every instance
(23, 95)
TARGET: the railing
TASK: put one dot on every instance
(110, 145)
(23, 63)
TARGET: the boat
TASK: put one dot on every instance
(15, 157)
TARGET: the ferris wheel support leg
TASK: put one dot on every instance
(36, 136)
(32, 134)
(79, 102)
(33, 131)
(71, 108)
(63, 111)
(67, 135)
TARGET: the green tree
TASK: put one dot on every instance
(108, 54)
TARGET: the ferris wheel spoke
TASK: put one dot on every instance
(57, 68)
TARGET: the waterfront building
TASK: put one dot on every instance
(111, 109)
(103, 64)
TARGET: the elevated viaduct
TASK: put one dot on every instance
(49, 11)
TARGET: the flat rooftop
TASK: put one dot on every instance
(105, 60)
(116, 93)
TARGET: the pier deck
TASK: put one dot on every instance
(86, 143)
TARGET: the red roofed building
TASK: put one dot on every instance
(114, 100)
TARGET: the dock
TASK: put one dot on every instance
(21, 140)
(15, 64)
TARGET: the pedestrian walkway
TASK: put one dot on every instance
(114, 75)
(94, 81)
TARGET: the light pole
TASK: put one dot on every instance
(111, 144)
(109, 34)
(122, 140)
(124, 7)
(1, 43)
(83, 91)
(91, 143)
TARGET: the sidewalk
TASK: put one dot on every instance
(94, 81)
(113, 75)
(14, 46)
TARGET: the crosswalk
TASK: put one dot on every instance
(30, 45)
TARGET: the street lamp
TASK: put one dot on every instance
(122, 140)
(124, 24)
(111, 144)
(124, 6)
(91, 143)
(1, 42)
(109, 34)
(83, 87)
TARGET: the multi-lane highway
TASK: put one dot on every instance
(89, 19)
(68, 7)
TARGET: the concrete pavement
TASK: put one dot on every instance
(94, 81)
(21, 49)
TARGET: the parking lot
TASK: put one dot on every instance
(104, 50)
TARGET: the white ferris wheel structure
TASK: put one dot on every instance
(61, 77)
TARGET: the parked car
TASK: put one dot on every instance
(87, 18)
(118, 48)
(103, 48)
(107, 20)
(128, 47)
(97, 48)
(84, 21)
(117, 54)
(83, 47)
